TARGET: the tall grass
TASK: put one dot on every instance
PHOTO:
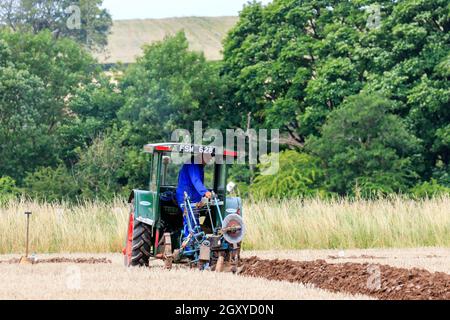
(87, 227)
(295, 224)
(317, 224)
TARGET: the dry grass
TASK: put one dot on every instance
(203, 33)
(313, 224)
(90, 227)
(113, 281)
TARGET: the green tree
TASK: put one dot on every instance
(366, 149)
(38, 78)
(61, 64)
(407, 59)
(84, 21)
(94, 110)
(24, 143)
(292, 62)
(168, 88)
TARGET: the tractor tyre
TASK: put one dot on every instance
(142, 243)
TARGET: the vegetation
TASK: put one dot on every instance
(367, 149)
(300, 175)
(291, 64)
(82, 20)
(290, 224)
(362, 108)
(341, 223)
(168, 88)
(86, 227)
(36, 79)
(8, 190)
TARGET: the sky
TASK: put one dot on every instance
(156, 9)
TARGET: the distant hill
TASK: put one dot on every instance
(204, 34)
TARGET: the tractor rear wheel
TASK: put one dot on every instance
(142, 244)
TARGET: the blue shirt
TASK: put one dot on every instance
(191, 180)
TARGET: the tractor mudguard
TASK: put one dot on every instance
(144, 206)
(233, 206)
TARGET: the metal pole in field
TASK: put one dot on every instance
(28, 232)
(26, 260)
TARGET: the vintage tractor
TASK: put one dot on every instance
(156, 220)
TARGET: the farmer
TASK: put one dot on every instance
(191, 180)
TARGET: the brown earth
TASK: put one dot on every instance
(355, 278)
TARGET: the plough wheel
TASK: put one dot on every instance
(168, 257)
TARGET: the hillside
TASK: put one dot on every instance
(204, 34)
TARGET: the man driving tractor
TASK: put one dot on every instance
(155, 229)
(191, 180)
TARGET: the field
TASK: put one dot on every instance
(203, 33)
(113, 281)
(318, 237)
(110, 280)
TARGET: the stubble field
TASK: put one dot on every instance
(103, 276)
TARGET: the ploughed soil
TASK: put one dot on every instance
(63, 260)
(379, 281)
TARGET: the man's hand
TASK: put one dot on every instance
(208, 195)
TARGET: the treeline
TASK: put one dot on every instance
(359, 90)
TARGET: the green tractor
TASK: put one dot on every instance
(155, 229)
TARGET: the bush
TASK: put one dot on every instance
(299, 175)
(429, 190)
(378, 185)
(49, 184)
(101, 167)
(8, 189)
